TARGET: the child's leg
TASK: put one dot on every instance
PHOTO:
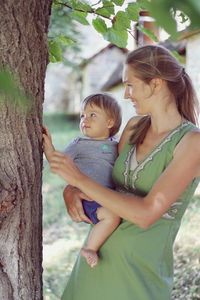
(99, 233)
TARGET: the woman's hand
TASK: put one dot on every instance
(62, 165)
(73, 201)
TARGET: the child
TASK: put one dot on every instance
(95, 154)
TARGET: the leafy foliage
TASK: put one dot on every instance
(118, 2)
(80, 17)
(121, 21)
(164, 12)
(148, 32)
(113, 19)
(100, 25)
(117, 37)
(64, 37)
(106, 10)
(133, 10)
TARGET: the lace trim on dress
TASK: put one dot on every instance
(126, 172)
(150, 157)
(171, 213)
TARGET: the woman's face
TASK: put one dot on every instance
(137, 91)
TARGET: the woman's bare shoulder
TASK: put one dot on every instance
(190, 142)
(188, 149)
(128, 130)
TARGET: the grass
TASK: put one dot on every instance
(63, 238)
(187, 255)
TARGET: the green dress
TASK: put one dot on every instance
(135, 263)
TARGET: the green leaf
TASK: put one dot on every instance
(6, 82)
(142, 4)
(109, 6)
(80, 17)
(183, 17)
(10, 90)
(121, 21)
(56, 47)
(55, 51)
(100, 25)
(80, 5)
(56, 5)
(103, 12)
(117, 37)
(133, 10)
(191, 8)
(179, 57)
(118, 2)
(160, 10)
(106, 10)
(64, 40)
(148, 32)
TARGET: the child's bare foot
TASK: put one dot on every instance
(90, 256)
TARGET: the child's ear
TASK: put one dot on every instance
(111, 123)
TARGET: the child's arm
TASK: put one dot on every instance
(48, 146)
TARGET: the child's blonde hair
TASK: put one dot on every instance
(109, 105)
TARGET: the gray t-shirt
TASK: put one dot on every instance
(95, 158)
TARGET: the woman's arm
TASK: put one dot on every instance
(142, 211)
(72, 197)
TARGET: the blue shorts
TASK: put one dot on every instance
(90, 209)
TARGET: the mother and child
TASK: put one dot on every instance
(155, 174)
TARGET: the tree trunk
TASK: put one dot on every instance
(23, 48)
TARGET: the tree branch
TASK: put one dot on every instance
(131, 33)
(96, 3)
(77, 9)
(92, 11)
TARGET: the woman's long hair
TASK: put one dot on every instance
(151, 62)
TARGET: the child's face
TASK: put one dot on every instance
(94, 122)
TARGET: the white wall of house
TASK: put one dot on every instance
(97, 72)
(193, 61)
(56, 95)
(62, 86)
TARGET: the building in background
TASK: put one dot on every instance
(100, 71)
(192, 42)
(103, 73)
(102, 66)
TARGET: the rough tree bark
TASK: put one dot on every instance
(23, 47)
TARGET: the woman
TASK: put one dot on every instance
(156, 174)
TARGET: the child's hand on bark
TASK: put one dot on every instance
(48, 147)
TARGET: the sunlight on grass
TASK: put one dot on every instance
(188, 236)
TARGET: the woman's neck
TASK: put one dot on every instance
(165, 120)
(163, 112)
